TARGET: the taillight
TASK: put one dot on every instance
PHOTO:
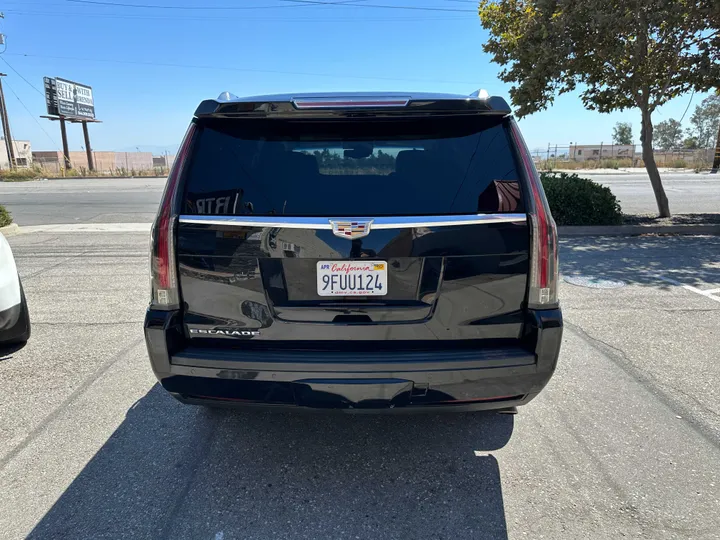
(349, 102)
(163, 270)
(544, 251)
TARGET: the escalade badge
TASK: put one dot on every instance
(351, 229)
(230, 332)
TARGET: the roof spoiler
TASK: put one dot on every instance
(228, 105)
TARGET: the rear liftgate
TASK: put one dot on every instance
(248, 279)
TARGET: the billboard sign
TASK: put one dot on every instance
(70, 99)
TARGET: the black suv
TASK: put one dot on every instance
(354, 251)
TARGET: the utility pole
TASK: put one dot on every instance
(88, 150)
(6, 127)
(66, 149)
(716, 160)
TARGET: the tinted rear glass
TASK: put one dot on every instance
(352, 168)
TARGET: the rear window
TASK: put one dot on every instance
(356, 167)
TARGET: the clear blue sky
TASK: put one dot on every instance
(150, 67)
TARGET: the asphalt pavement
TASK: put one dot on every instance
(624, 442)
(688, 193)
(135, 200)
(84, 200)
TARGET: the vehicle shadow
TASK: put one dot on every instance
(174, 471)
(639, 260)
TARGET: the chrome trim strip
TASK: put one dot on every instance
(444, 221)
(390, 222)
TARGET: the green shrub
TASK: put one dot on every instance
(610, 164)
(579, 201)
(5, 217)
(679, 164)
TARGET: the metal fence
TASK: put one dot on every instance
(595, 156)
(105, 163)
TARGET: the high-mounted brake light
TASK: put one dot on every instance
(544, 259)
(349, 102)
(162, 260)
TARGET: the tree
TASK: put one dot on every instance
(716, 159)
(690, 143)
(668, 134)
(705, 121)
(618, 54)
(622, 133)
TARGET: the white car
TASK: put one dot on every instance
(14, 315)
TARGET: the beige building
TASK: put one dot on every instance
(23, 154)
(165, 161)
(51, 161)
(586, 152)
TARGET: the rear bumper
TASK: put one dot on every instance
(398, 381)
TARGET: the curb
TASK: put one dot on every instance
(626, 172)
(582, 174)
(635, 230)
(88, 227)
(10, 230)
(43, 179)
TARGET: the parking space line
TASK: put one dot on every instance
(706, 294)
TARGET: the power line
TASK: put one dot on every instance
(247, 70)
(230, 17)
(292, 3)
(688, 105)
(385, 6)
(295, 3)
(325, 2)
(23, 78)
(33, 116)
(44, 4)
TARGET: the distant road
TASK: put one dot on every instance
(135, 200)
(87, 200)
(687, 192)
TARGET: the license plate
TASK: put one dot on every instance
(352, 278)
